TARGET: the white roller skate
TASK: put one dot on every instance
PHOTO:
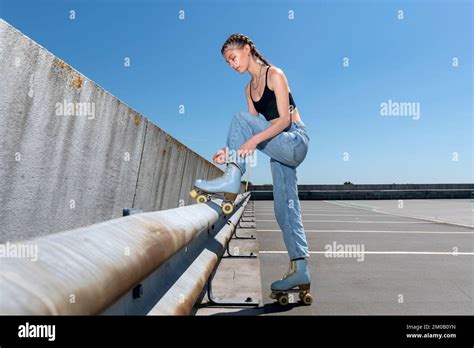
(225, 187)
(297, 279)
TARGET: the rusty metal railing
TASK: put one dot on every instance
(94, 269)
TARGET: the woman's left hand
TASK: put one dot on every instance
(247, 148)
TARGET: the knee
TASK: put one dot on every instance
(242, 116)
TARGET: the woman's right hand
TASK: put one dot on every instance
(220, 156)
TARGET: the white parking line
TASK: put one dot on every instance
(351, 205)
(379, 215)
(333, 210)
(361, 222)
(376, 231)
(408, 216)
(376, 252)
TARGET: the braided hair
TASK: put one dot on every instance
(240, 40)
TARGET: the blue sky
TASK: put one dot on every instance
(176, 62)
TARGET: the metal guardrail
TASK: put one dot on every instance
(180, 298)
(113, 267)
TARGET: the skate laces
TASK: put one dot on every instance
(291, 270)
(235, 164)
(226, 172)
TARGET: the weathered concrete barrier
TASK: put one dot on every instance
(349, 192)
(72, 154)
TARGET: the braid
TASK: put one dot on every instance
(240, 40)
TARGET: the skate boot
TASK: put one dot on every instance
(296, 279)
(225, 187)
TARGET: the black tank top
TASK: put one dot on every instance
(267, 104)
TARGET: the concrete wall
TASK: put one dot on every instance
(60, 171)
(374, 187)
(391, 191)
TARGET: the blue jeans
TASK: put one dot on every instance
(286, 151)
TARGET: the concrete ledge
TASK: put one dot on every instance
(72, 154)
(305, 192)
(373, 187)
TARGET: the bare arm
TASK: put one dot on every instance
(249, 101)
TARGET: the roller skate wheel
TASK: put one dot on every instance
(307, 299)
(227, 208)
(273, 296)
(193, 194)
(283, 300)
(201, 199)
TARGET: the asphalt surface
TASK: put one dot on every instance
(408, 265)
(418, 264)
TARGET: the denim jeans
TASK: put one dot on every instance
(286, 151)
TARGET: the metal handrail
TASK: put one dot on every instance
(85, 270)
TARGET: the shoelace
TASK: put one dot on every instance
(226, 172)
(290, 271)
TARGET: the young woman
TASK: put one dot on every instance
(281, 135)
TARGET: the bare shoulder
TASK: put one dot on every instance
(276, 77)
(275, 70)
